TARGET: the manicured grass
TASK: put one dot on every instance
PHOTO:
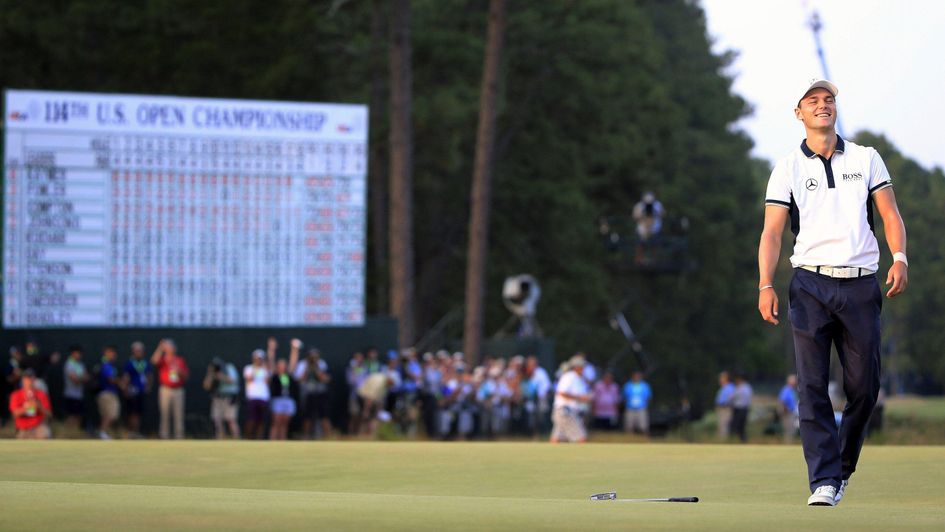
(82, 485)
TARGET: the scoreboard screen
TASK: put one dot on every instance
(156, 211)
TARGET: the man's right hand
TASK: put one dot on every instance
(768, 305)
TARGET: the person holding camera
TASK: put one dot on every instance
(30, 408)
(648, 214)
(222, 381)
(172, 375)
(314, 379)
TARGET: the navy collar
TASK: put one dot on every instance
(810, 153)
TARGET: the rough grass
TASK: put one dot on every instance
(82, 485)
(910, 407)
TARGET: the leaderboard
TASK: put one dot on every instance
(155, 211)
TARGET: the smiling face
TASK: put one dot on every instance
(818, 110)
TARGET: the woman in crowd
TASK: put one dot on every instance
(283, 389)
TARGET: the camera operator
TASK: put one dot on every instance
(30, 408)
(172, 375)
(314, 379)
(648, 213)
(222, 381)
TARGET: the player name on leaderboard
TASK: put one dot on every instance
(146, 211)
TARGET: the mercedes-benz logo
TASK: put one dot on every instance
(811, 184)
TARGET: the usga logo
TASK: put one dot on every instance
(19, 115)
(856, 176)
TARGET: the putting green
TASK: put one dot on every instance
(355, 486)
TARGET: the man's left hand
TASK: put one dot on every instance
(898, 277)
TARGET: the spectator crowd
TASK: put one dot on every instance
(437, 393)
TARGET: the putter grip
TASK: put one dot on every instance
(684, 499)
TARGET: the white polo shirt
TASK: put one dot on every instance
(572, 384)
(831, 204)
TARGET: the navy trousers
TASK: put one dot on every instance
(843, 312)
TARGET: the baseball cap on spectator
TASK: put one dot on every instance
(428, 357)
(577, 360)
(563, 368)
(392, 354)
(259, 353)
(817, 83)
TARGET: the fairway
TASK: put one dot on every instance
(436, 486)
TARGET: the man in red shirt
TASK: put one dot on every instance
(172, 374)
(30, 408)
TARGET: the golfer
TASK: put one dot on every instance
(827, 188)
(571, 398)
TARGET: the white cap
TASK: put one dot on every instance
(817, 83)
(577, 360)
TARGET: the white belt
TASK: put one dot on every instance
(840, 272)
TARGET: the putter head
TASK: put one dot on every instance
(608, 496)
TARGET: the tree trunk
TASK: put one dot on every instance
(377, 172)
(401, 179)
(482, 185)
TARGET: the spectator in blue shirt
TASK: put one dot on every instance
(138, 378)
(636, 396)
(788, 401)
(723, 405)
(107, 399)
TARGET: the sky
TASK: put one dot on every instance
(887, 59)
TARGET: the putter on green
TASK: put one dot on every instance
(612, 496)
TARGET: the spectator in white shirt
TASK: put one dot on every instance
(256, 376)
(571, 399)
